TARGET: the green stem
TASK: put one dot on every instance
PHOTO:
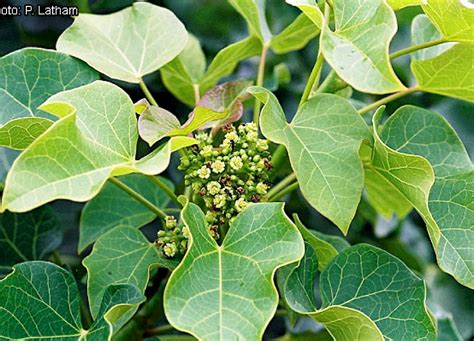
(160, 330)
(197, 94)
(387, 99)
(278, 158)
(260, 76)
(168, 191)
(331, 84)
(313, 77)
(417, 47)
(284, 191)
(281, 185)
(138, 197)
(147, 93)
(281, 312)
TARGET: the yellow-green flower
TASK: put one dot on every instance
(261, 188)
(213, 187)
(252, 136)
(236, 162)
(204, 172)
(186, 232)
(170, 221)
(218, 166)
(170, 249)
(240, 204)
(206, 151)
(219, 200)
(231, 136)
(262, 145)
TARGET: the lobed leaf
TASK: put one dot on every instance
(128, 44)
(94, 139)
(323, 143)
(421, 156)
(28, 236)
(358, 49)
(121, 256)
(450, 73)
(112, 208)
(30, 75)
(40, 300)
(19, 133)
(227, 291)
(453, 18)
(367, 294)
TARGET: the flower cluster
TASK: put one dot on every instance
(228, 176)
(172, 240)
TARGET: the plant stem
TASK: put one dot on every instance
(313, 77)
(138, 197)
(159, 330)
(284, 191)
(260, 76)
(387, 99)
(281, 312)
(197, 95)
(168, 191)
(282, 184)
(278, 158)
(147, 93)
(417, 47)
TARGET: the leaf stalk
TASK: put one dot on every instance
(417, 47)
(165, 189)
(281, 185)
(284, 191)
(387, 99)
(147, 93)
(260, 77)
(138, 197)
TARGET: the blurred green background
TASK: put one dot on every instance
(216, 25)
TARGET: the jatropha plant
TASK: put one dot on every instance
(225, 256)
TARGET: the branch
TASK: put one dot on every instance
(387, 99)
(260, 76)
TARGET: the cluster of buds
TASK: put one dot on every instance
(230, 175)
(172, 240)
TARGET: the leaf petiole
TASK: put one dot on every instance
(168, 191)
(281, 185)
(417, 47)
(260, 77)
(147, 93)
(284, 191)
(387, 99)
(138, 197)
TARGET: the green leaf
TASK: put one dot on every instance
(399, 4)
(183, 73)
(155, 123)
(29, 76)
(113, 207)
(94, 139)
(422, 31)
(311, 10)
(295, 36)
(253, 12)
(28, 236)
(453, 18)
(121, 256)
(227, 292)
(421, 156)
(40, 300)
(367, 294)
(227, 59)
(323, 142)
(126, 45)
(326, 247)
(450, 74)
(19, 133)
(183, 85)
(358, 49)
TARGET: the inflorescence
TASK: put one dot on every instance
(225, 177)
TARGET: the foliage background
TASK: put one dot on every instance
(216, 24)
